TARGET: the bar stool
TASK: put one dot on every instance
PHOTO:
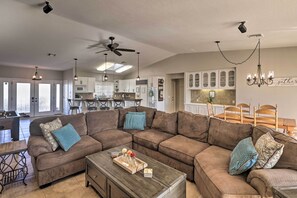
(103, 104)
(91, 104)
(118, 103)
(73, 107)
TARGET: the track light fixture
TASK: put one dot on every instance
(242, 27)
(47, 8)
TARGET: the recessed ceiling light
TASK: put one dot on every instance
(103, 67)
(124, 68)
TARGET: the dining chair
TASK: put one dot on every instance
(233, 114)
(246, 108)
(267, 106)
(266, 116)
(73, 107)
(210, 110)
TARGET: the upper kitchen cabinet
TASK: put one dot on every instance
(227, 79)
(81, 81)
(194, 80)
(84, 85)
(210, 79)
(128, 85)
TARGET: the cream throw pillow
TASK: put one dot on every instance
(269, 151)
(47, 128)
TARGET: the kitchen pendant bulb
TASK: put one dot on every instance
(105, 77)
(138, 78)
(75, 78)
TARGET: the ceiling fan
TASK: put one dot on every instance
(114, 48)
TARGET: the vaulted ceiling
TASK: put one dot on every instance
(158, 29)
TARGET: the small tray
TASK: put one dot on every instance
(121, 161)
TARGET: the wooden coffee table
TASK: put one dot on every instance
(111, 181)
(285, 192)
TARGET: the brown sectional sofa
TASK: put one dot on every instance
(197, 145)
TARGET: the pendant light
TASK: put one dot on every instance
(36, 76)
(138, 77)
(75, 70)
(105, 77)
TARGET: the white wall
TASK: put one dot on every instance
(282, 60)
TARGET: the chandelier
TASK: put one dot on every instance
(259, 78)
(36, 76)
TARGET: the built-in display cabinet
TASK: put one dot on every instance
(215, 79)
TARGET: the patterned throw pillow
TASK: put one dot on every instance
(269, 151)
(243, 157)
(47, 128)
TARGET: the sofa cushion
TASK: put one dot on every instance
(48, 128)
(35, 125)
(151, 138)
(86, 146)
(166, 122)
(226, 134)
(122, 114)
(37, 145)
(194, 126)
(269, 151)
(212, 167)
(258, 131)
(112, 138)
(150, 113)
(264, 179)
(288, 158)
(78, 121)
(66, 136)
(243, 157)
(182, 148)
(99, 121)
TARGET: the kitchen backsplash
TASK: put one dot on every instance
(223, 97)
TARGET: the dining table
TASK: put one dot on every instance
(288, 124)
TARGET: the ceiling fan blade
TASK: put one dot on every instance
(115, 45)
(125, 50)
(117, 52)
(101, 51)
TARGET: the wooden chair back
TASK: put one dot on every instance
(233, 114)
(246, 108)
(267, 116)
(210, 110)
(267, 107)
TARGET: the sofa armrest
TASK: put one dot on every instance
(37, 145)
(264, 179)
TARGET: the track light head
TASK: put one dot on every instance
(47, 8)
(242, 27)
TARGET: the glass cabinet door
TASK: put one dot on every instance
(223, 79)
(205, 79)
(191, 80)
(231, 78)
(213, 79)
(197, 80)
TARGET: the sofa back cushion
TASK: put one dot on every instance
(35, 129)
(122, 114)
(99, 121)
(194, 126)
(258, 131)
(78, 121)
(150, 113)
(288, 158)
(226, 134)
(166, 122)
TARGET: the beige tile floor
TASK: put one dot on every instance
(72, 186)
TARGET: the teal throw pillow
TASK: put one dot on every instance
(66, 136)
(134, 121)
(140, 113)
(243, 157)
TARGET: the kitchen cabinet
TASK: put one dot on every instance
(128, 85)
(84, 85)
(81, 81)
(194, 80)
(227, 79)
(210, 79)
